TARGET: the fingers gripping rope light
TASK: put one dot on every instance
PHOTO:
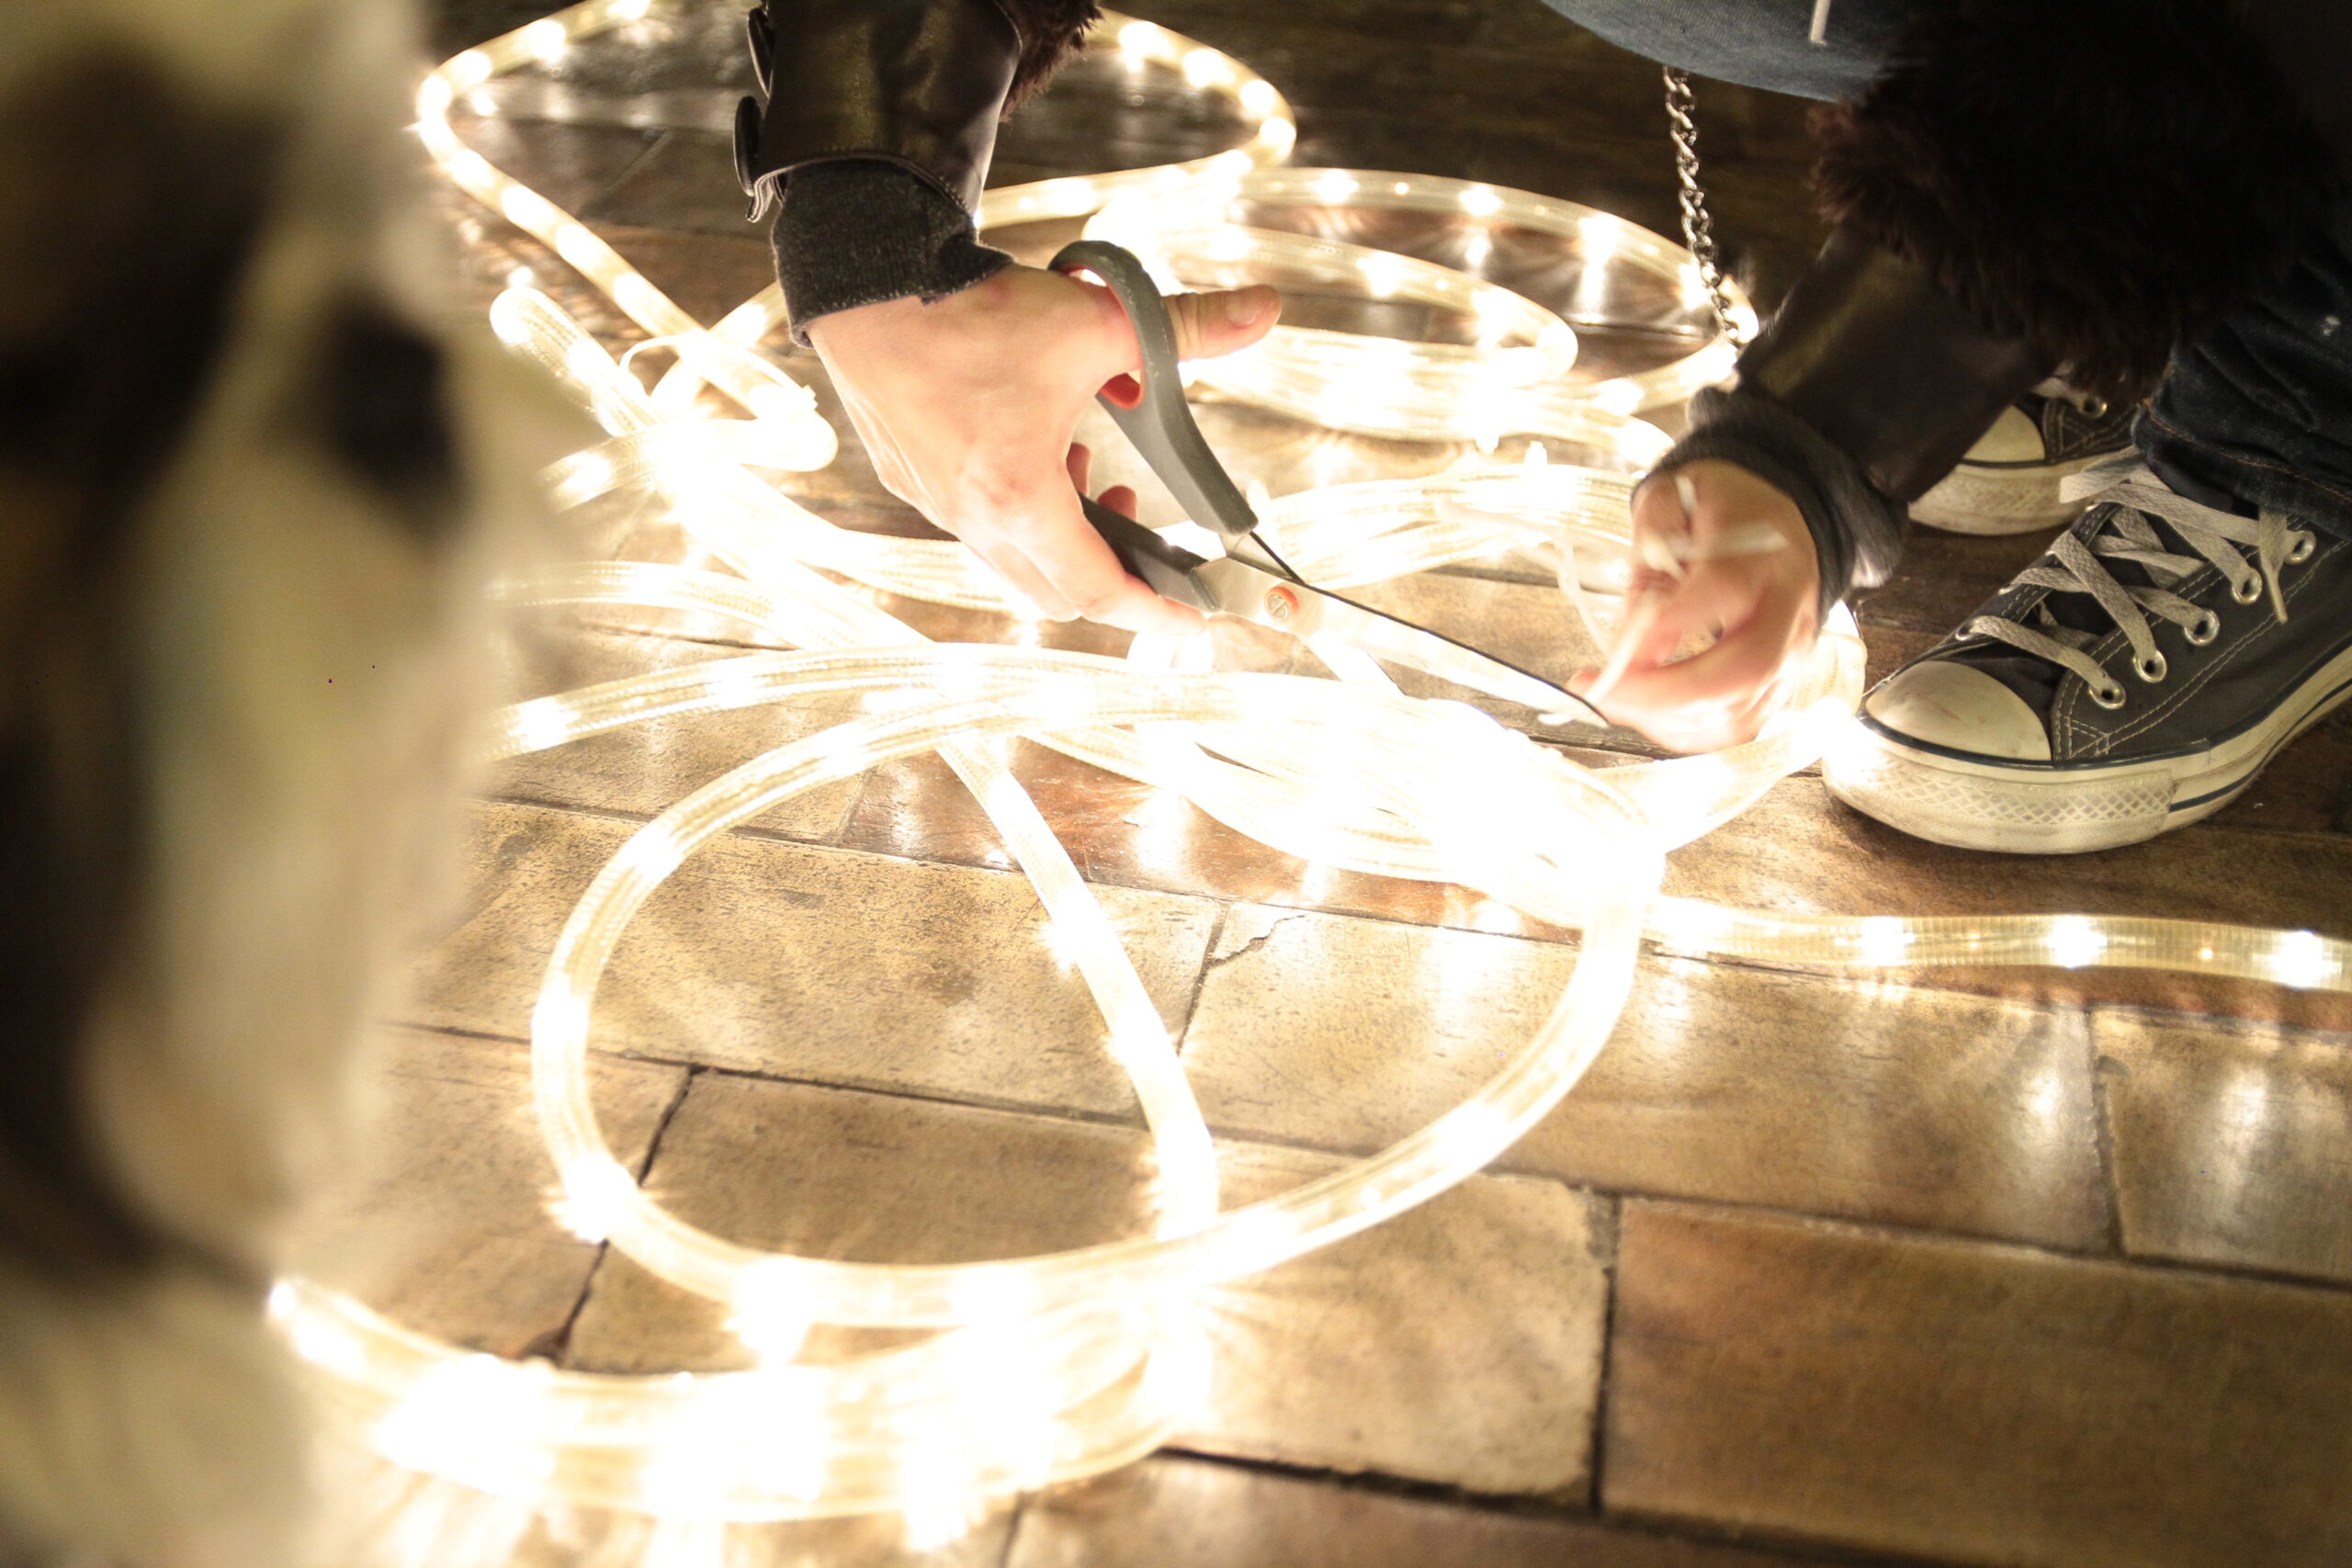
(1050, 1368)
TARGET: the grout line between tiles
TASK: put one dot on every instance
(884, 1091)
(1776, 1545)
(1073, 1113)
(1501, 1169)
(2177, 1018)
(771, 835)
(768, 836)
(1013, 1526)
(2103, 1138)
(1522, 1503)
(1539, 1507)
(2222, 1268)
(1621, 1196)
(1597, 1446)
(1924, 979)
(849, 812)
(2211, 1270)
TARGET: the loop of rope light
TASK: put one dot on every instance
(1055, 1367)
(1419, 392)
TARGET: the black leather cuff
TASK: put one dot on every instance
(921, 83)
(1869, 352)
(1865, 388)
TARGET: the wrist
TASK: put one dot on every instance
(1856, 530)
(854, 324)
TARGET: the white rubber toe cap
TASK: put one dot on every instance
(1951, 704)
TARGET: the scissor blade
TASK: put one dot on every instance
(1253, 594)
(1401, 642)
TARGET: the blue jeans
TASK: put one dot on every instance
(2259, 408)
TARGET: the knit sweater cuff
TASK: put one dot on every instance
(860, 230)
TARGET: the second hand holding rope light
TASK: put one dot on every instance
(1049, 1367)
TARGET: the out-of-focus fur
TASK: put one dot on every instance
(2105, 178)
(245, 484)
(1050, 33)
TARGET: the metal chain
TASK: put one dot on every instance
(1698, 226)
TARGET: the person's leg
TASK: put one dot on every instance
(2260, 408)
(1756, 43)
(2010, 481)
(2140, 674)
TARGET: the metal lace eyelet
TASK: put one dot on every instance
(2093, 408)
(2247, 590)
(2306, 546)
(2151, 669)
(2110, 697)
(2202, 631)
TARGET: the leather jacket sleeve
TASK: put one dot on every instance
(918, 84)
(2000, 213)
(1865, 388)
(1870, 352)
(871, 138)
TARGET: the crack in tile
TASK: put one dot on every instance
(1217, 960)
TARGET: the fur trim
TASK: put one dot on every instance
(1051, 32)
(2105, 178)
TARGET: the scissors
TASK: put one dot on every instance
(1253, 582)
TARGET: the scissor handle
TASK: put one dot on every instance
(1161, 422)
(1167, 570)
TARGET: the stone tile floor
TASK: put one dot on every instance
(2014, 1268)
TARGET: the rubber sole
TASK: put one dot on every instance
(1975, 499)
(2042, 809)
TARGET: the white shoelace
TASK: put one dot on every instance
(2134, 495)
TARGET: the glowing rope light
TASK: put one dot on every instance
(1322, 376)
(1141, 45)
(1062, 1365)
(1424, 753)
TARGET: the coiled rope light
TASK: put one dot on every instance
(1050, 1368)
(1419, 391)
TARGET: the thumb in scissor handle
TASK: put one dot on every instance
(1159, 423)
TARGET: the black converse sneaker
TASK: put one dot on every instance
(2009, 481)
(2133, 680)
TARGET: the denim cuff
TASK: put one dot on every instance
(2250, 473)
(859, 230)
(1857, 532)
